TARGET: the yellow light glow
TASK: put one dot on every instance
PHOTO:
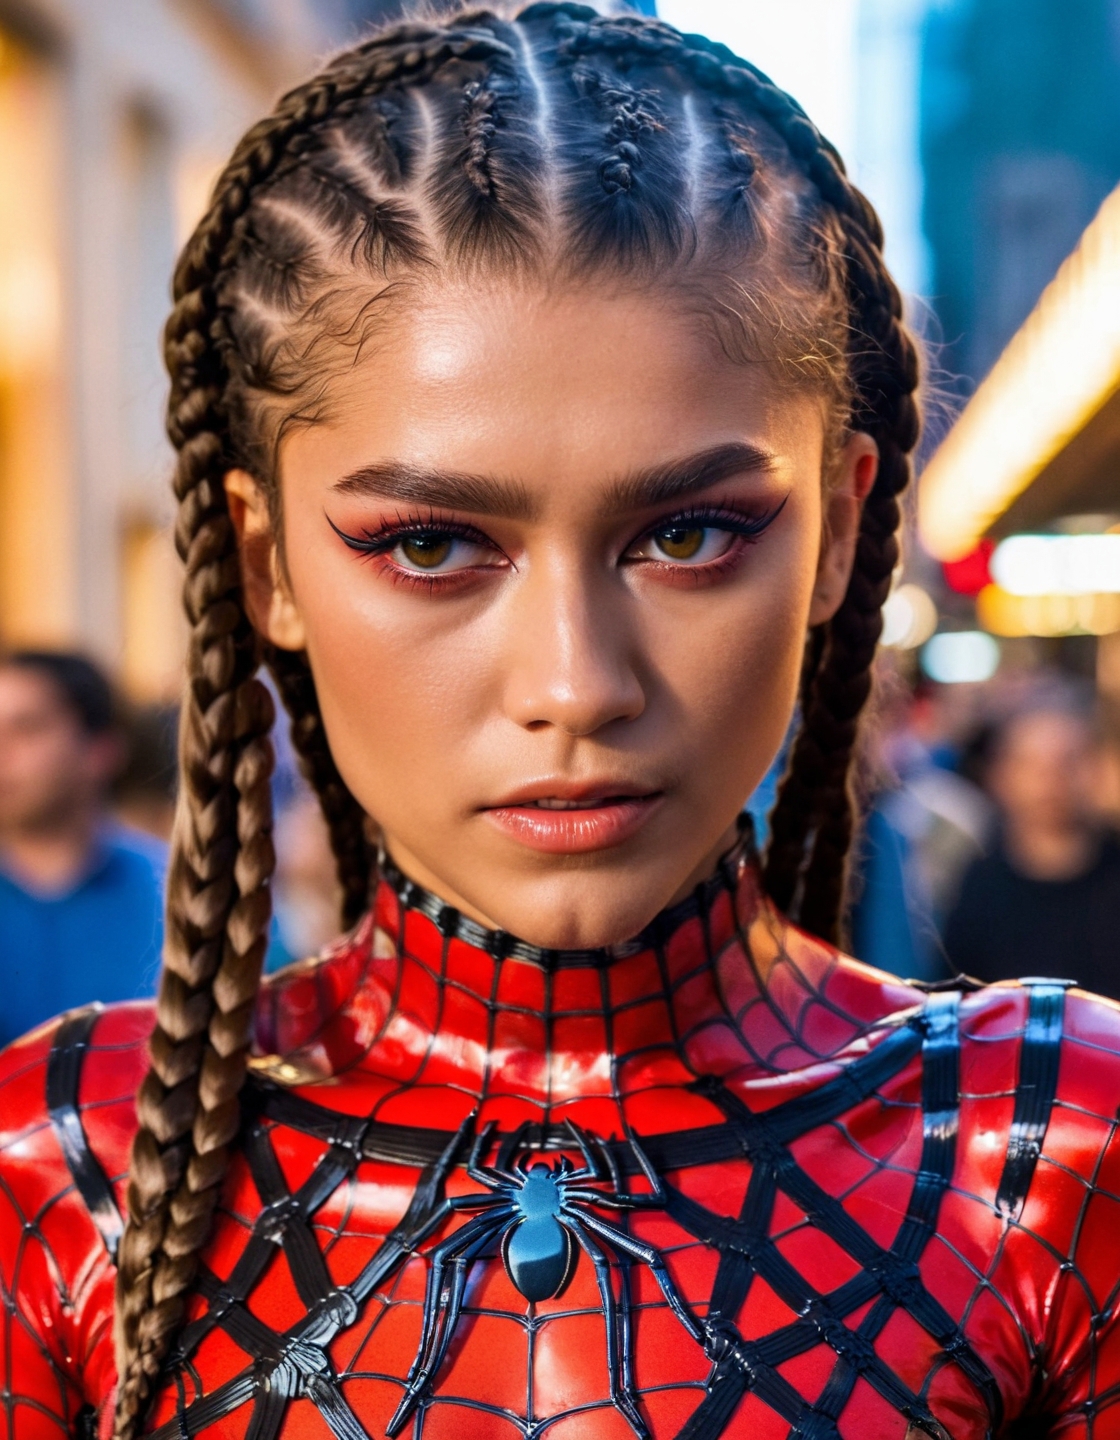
(1055, 374)
(909, 618)
(1002, 613)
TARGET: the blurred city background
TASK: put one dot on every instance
(986, 132)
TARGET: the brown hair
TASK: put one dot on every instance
(558, 138)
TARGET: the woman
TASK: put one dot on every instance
(538, 387)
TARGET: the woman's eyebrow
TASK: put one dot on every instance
(676, 479)
(441, 489)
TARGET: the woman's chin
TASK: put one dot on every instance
(575, 912)
(587, 901)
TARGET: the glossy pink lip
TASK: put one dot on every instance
(604, 822)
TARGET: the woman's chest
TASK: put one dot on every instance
(768, 1283)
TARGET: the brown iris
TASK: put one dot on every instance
(426, 552)
(679, 543)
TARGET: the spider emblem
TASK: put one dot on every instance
(541, 1216)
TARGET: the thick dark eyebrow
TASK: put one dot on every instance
(510, 500)
(677, 479)
(441, 489)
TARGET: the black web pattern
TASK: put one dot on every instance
(296, 1363)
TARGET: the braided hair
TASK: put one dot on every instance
(558, 139)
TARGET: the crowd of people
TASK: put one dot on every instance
(991, 845)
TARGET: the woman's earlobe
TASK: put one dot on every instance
(269, 603)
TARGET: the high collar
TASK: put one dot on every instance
(735, 878)
(418, 995)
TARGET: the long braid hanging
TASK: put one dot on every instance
(222, 861)
(886, 380)
(217, 907)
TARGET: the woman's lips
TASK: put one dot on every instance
(563, 827)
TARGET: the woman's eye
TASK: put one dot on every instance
(436, 552)
(686, 544)
(426, 552)
(679, 543)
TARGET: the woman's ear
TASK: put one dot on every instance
(856, 471)
(268, 600)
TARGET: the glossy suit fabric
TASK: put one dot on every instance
(887, 1213)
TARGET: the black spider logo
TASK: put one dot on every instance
(542, 1215)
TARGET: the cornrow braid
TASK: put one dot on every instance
(630, 120)
(479, 124)
(560, 138)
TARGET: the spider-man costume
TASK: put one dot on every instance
(830, 1206)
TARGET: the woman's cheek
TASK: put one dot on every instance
(741, 665)
(401, 693)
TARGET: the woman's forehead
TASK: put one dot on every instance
(527, 382)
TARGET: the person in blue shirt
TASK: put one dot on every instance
(81, 897)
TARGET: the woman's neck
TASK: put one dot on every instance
(52, 856)
(420, 997)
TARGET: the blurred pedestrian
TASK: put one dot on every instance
(80, 895)
(1046, 899)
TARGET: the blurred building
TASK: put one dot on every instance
(1027, 482)
(1020, 104)
(115, 116)
(1020, 150)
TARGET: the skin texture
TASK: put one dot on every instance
(53, 777)
(569, 652)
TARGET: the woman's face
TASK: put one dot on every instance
(552, 557)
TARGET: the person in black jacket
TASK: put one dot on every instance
(1046, 899)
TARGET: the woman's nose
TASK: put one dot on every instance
(574, 657)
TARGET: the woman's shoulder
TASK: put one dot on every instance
(67, 1118)
(1035, 1068)
(1036, 1040)
(1048, 1015)
(106, 1044)
(1040, 1056)
(1040, 1065)
(1066, 1043)
(1039, 1141)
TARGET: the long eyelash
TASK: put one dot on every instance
(380, 542)
(719, 518)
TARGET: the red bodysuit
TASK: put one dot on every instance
(491, 1191)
